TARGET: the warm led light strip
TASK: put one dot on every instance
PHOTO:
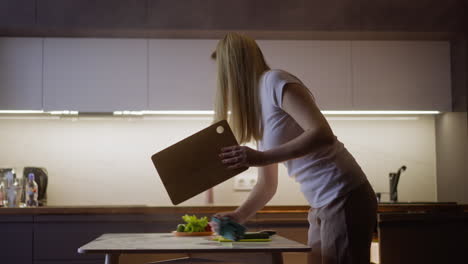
(65, 112)
(25, 112)
(175, 112)
(380, 112)
(137, 113)
(204, 113)
(323, 112)
(21, 112)
(200, 112)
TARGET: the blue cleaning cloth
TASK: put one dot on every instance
(229, 229)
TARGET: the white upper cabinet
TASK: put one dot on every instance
(401, 75)
(104, 75)
(95, 75)
(182, 75)
(20, 74)
(323, 66)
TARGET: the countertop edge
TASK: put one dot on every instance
(148, 210)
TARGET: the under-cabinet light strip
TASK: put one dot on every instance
(380, 112)
(21, 112)
(65, 112)
(324, 112)
(207, 113)
(186, 112)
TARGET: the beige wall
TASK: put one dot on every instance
(452, 157)
(106, 160)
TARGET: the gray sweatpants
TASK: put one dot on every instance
(341, 231)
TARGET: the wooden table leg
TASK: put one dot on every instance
(276, 258)
(112, 258)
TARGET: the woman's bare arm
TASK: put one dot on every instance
(299, 104)
(262, 192)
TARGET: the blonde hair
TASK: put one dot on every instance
(240, 64)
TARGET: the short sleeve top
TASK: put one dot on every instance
(325, 173)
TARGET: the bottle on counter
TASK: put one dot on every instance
(31, 191)
(2, 193)
(11, 190)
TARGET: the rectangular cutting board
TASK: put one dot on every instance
(192, 165)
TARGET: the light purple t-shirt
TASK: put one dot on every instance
(325, 174)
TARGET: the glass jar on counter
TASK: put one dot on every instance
(12, 191)
(2, 193)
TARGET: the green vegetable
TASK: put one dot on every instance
(180, 228)
(195, 224)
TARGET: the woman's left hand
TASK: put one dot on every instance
(242, 156)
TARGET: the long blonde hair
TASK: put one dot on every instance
(240, 64)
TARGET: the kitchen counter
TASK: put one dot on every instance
(52, 234)
(268, 210)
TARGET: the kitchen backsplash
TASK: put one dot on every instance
(103, 160)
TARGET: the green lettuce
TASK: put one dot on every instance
(195, 224)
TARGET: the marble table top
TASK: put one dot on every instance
(168, 243)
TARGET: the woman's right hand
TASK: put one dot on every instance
(233, 215)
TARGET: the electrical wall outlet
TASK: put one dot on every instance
(245, 182)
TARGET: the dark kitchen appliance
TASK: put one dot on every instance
(41, 178)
